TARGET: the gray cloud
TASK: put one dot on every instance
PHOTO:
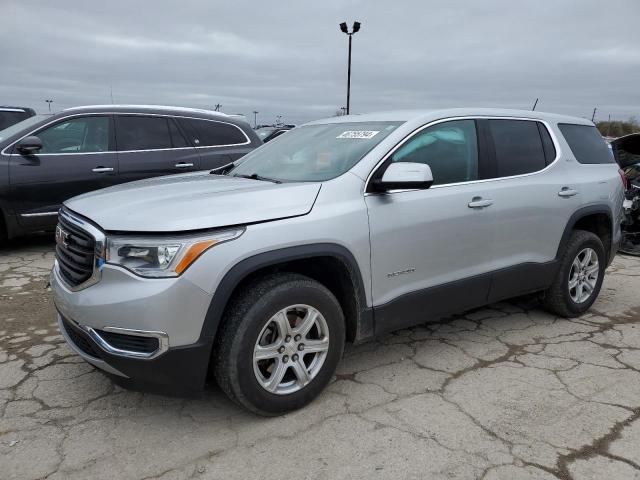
(289, 57)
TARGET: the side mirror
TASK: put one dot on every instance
(29, 145)
(404, 175)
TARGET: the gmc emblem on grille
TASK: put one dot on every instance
(62, 237)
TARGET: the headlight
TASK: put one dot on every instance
(156, 257)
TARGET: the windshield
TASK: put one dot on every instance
(314, 152)
(18, 127)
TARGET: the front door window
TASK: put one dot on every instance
(449, 148)
(76, 135)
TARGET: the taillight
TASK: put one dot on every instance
(625, 180)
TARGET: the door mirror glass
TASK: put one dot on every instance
(29, 145)
(405, 175)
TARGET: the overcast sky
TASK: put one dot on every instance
(289, 57)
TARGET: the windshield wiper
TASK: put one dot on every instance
(255, 176)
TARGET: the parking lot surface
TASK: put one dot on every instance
(506, 392)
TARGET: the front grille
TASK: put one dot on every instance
(75, 252)
(79, 339)
(131, 343)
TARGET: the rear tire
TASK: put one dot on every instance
(267, 358)
(579, 277)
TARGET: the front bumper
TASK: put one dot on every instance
(123, 300)
(169, 311)
(178, 369)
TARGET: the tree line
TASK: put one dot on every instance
(618, 128)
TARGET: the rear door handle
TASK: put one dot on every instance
(102, 170)
(479, 202)
(183, 165)
(567, 192)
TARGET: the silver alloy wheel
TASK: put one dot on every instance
(583, 275)
(291, 349)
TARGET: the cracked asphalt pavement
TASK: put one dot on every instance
(505, 392)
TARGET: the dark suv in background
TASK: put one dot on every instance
(12, 115)
(46, 161)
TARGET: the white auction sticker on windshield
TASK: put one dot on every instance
(366, 134)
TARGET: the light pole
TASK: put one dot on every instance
(49, 102)
(255, 118)
(345, 29)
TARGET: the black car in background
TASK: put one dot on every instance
(269, 132)
(44, 161)
(12, 115)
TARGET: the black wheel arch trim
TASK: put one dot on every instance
(244, 268)
(580, 214)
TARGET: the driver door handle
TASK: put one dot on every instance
(479, 202)
(183, 165)
(102, 170)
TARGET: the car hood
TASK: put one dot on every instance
(193, 201)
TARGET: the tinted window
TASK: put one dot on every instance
(518, 147)
(208, 133)
(8, 118)
(20, 126)
(78, 135)
(136, 132)
(547, 144)
(450, 149)
(586, 143)
(177, 139)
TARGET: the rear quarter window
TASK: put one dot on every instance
(586, 143)
(208, 133)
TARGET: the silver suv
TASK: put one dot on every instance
(338, 231)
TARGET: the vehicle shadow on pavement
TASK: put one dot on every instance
(43, 240)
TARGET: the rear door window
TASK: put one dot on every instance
(586, 143)
(136, 132)
(518, 147)
(208, 133)
(177, 139)
(547, 144)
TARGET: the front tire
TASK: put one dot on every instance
(280, 343)
(579, 277)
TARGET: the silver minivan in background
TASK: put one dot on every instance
(338, 231)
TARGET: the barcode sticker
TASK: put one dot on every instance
(365, 134)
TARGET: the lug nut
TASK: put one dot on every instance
(281, 350)
(301, 347)
(285, 359)
(287, 338)
(297, 338)
(294, 357)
